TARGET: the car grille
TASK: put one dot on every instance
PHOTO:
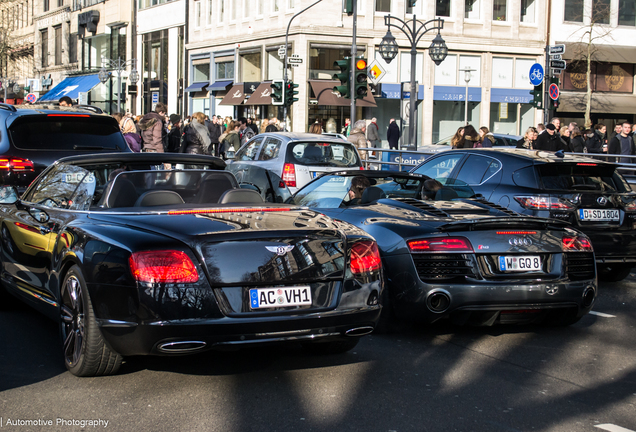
(579, 265)
(435, 267)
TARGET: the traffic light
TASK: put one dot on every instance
(348, 7)
(360, 78)
(278, 92)
(537, 96)
(345, 71)
(290, 92)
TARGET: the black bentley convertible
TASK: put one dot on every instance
(164, 254)
(448, 253)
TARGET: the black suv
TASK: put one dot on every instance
(32, 137)
(588, 193)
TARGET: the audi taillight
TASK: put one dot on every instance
(539, 202)
(576, 243)
(441, 244)
(166, 266)
(15, 164)
(289, 175)
(364, 257)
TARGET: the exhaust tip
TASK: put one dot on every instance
(438, 301)
(588, 297)
(359, 331)
(179, 347)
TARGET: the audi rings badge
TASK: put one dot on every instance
(516, 241)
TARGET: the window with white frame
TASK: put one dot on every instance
(573, 11)
(276, 6)
(291, 4)
(470, 62)
(224, 70)
(528, 11)
(197, 14)
(392, 72)
(210, 6)
(500, 10)
(417, 9)
(234, 7)
(522, 73)
(259, 7)
(471, 10)
(451, 72)
(221, 11)
(383, 5)
(246, 8)
(446, 72)
(502, 68)
(601, 11)
(443, 8)
(627, 13)
(405, 67)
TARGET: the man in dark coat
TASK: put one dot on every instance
(622, 144)
(393, 134)
(215, 130)
(153, 131)
(549, 140)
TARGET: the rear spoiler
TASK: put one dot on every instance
(503, 222)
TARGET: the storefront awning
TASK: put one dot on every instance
(220, 85)
(262, 95)
(71, 87)
(235, 96)
(196, 87)
(601, 103)
(609, 53)
(323, 89)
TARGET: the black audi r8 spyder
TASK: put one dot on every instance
(164, 254)
(447, 253)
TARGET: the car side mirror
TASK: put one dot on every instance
(8, 195)
(39, 215)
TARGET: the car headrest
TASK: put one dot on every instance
(446, 194)
(371, 194)
(240, 196)
(120, 193)
(312, 152)
(158, 197)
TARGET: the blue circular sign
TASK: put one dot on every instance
(536, 74)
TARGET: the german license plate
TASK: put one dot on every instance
(261, 298)
(599, 215)
(520, 263)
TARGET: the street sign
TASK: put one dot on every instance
(282, 51)
(553, 91)
(375, 71)
(294, 59)
(536, 74)
(31, 98)
(557, 64)
(556, 57)
(557, 49)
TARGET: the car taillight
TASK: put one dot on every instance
(630, 206)
(365, 257)
(15, 164)
(572, 243)
(441, 244)
(289, 175)
(166, 266)
(543, 203)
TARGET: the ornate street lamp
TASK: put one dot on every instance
(103, 75)
(414, 30)
(118, 66)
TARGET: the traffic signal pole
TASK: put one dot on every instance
(352, 69)
(285, 76)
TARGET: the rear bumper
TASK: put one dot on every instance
(414, 300)
(189, 336)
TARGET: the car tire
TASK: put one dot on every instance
(613, 273)
(85, 352)
(333, 347)
(388, 322)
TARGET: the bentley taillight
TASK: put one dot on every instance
(165, 266)
(365, 257)
(441, 244)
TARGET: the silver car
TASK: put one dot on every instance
(298, 158)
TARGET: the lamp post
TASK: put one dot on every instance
(414, 30)
(467, 77)
(118, 66)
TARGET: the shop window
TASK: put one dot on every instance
(58, 45)
(499, 10)
(383, 5)
(250, 65)
(405, 69)
(528, 11)
(274, 66)
(321, 61)
(601, 11)
(470, 62)
(118, 43)
(502, 72)
(392, 70)
(471, 10)
(448, 116)
(627, 12)
(522, 73)
(450, 73)
(573, 11)
(442, 8)
(224, 71)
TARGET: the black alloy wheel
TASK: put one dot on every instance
(85, 352)
(614, 272)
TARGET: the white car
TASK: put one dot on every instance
(298, 158)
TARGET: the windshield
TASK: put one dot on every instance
(330, 154)
(67, 132)
(582, 177)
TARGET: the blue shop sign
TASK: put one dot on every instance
(449, 93)
(510, 95)
(394, 91)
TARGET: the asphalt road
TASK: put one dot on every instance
(438, 378)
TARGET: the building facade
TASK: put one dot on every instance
(16, 50)
(499, 39)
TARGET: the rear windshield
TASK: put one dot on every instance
(582, 177)
(331, 154)
(67, 132)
